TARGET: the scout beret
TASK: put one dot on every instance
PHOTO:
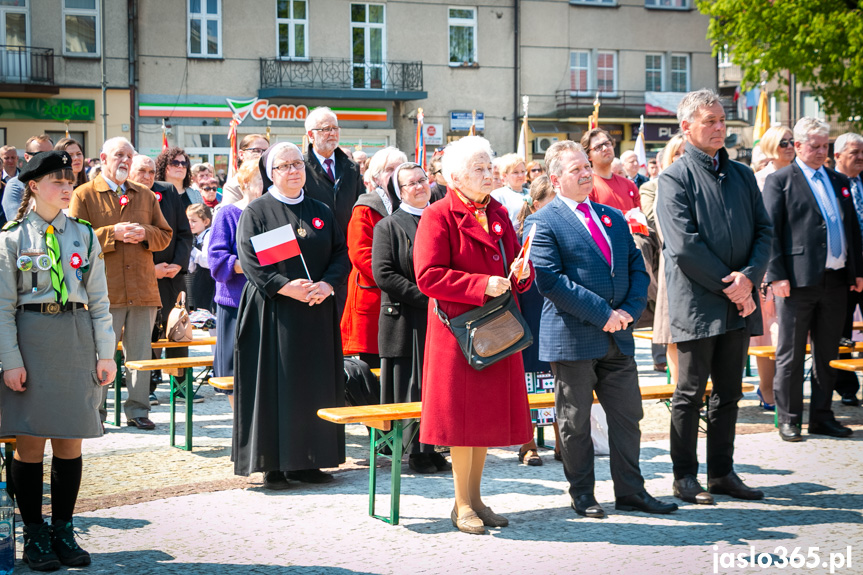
(44, 163)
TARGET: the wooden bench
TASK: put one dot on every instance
(159, 344)
(643, 334)
(847, 364)
(387, 426)
(223, 383)
(185, 363)
(769, 351)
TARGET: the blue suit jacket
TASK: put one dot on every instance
(581, 289)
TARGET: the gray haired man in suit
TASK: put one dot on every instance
(593, 276)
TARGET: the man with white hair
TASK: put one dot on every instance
(817, 255)
(331, 176)
(631, 167)
(109, 202)
(716, 244)
(848, 152)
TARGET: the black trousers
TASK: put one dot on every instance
(847, 383)
(720, 358)
(615, 380)
(816, 311)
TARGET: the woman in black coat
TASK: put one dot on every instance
(404, 309)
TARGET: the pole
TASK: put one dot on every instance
(104, 74)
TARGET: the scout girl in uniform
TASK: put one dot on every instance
(56, 347)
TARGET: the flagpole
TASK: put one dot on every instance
(302, 259)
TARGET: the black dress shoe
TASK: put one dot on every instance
(275, 481)
(586, 506)
(643, 501)
(790, 432)
(421, 463)
(831, 428)
(851, 401)
(732, 485)
(688, 489)
(309, 476)
(141, 423)
(439, 461)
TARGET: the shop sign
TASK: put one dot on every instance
(257, 109)
(461, 121)
(660, 132)
(433, 134)
(55, 109)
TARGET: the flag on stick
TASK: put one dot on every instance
(276, 245)
(522, 136)
(420, 148)
(233, 159)
(472, 130)
(593, 119)
(524, 254)
(762, 120)
(164, 136)
(640, 151)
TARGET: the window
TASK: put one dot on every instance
(462, 36)
(80, 28)
(594, 2)
(673, 4)
(368, 45)
(606, 76)
(679, 73)
(205, 28)
(292, 23)
(723, 58)
(579, 71)
(653, 73)
(811, 105)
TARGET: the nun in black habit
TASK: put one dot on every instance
(288, 360)
(404, 309)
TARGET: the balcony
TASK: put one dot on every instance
(330, 78)
(27, 69)
(622, 104)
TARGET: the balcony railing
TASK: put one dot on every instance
(26, 65)
(341, 74)
(620, 104)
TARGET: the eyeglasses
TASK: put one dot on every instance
(600, 146)
(179, 163)
(209, 188)
(786, 143)
(536, 170)
(327, 130)
(416, 183)
(258, 151)
(288, 166)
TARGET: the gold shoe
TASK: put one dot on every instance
(491, 519)
(470, 523)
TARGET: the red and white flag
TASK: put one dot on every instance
(524, 254)
(276, 245)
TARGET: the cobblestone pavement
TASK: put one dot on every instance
(149, 508)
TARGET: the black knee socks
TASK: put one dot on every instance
(27, 480)
(65, 482)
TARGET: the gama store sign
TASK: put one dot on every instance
(56, 109)
(257, 109)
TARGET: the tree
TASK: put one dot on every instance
(819, 41)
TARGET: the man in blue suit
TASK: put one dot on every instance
(593, 277)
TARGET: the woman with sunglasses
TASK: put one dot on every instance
(173, 167)
(777, 144)
(251, 147)
(534, 170)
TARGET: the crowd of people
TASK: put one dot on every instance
(387, 253)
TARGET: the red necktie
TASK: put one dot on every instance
(595, 232)
(328, 163)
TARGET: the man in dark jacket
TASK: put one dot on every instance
(717, 243)
(331, 176)
(816, 257)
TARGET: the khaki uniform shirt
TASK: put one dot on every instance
(129, 267)
(17, 286)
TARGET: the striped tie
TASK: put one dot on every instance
(60, 293)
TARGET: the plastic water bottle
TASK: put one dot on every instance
(7, 532)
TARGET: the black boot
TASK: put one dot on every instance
(38, 552)
(65, 546)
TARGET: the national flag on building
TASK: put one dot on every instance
(276, 245)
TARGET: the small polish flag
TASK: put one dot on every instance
(276, 245)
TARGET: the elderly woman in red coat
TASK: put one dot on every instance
(457, 260)
(359, 324)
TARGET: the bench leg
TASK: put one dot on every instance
(118, 382)
(190, 395)
(172, 427)
(393, 439)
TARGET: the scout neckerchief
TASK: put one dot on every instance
(478, 208)
(60, 293)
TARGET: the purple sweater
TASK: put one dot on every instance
(222, 254)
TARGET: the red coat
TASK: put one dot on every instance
(453, 258)
(359, 324)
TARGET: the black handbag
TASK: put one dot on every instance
(492, 332)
